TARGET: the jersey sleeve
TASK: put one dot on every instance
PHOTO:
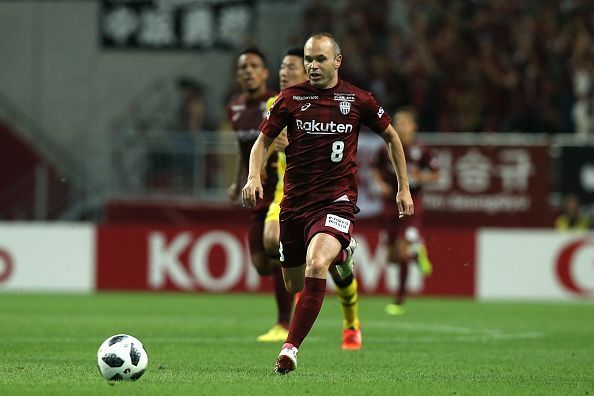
(276, 119)
(270, 102)
(373, 115)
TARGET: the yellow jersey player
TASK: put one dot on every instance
(292, 71)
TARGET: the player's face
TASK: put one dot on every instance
(320, 63)
(291, 71)
(251, 73)
(405, 125)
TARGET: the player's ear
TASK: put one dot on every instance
(266, 73)
(337, 61)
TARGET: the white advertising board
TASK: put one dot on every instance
(534, 264)
(46, 257)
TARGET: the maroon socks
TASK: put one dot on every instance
(306, 310)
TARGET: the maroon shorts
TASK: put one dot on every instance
(298, 228)
(408, 228)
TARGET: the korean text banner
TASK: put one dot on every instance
(166, 24)
(490, 185)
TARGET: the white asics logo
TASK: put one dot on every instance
(305, 106)
(327, 128)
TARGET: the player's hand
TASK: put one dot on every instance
(404, 203)
(233, 192)
(385, 190)
(252, 192)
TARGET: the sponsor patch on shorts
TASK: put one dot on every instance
(337, 223)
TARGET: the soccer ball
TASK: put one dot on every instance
(122, 357)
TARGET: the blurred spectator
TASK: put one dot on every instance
(191, 109)
(572, 218)
(470, 65)
(173, 162)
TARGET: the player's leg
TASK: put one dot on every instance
(321, 251)
(284, 299)
(265, 267)
(407, 246)
(347, 293)
(398, 255)
(256, 244)
(419, 251)
(423, 258)
(344, 262)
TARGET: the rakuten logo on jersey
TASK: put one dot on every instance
(327, 128)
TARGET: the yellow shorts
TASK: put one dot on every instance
(274, 208)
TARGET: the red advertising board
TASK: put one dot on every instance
(214, 258)
(490, 185)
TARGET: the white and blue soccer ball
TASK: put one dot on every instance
(122, 357)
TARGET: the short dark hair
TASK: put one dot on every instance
(409, 110)
(256, 51)
(189, 83)
(294, 51)
(330, 36)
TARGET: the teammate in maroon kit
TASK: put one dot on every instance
(404, 235)
(246, 112)
(323, 117)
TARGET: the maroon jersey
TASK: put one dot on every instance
(323, 128)
(418, 157)
(245, 116)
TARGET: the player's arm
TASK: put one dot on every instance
(240, 171)
(253, 188)
(384, 188)
(396, 152)
(428, 176)
(429, 172)
(281, 142)
(432, 172)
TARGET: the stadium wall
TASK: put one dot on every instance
(56, 72)
(212, 257)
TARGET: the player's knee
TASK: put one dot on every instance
(271, 238)
(294, 285)
(271, 244)
(261, 264)
(397, 258)
(317, 266)
(398, 252)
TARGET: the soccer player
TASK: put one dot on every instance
(292, 71)
(246, 112)
(404, 235)
(323, 116)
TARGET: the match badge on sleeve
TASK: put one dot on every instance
(337, 223)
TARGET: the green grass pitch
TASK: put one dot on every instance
(205, 345)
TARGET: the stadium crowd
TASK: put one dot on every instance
(469, 65)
